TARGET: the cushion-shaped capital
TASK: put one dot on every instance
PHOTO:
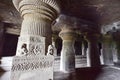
(53, 3)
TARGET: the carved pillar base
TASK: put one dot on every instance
(30, 63)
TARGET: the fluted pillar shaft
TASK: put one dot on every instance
(37, 18)
(67, 62)
(93, 55)
(34, 26)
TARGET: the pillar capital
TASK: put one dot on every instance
(67, 34)
(92, 37)
(107, 38)
(48, 9)
(37, 18)
(37, 13)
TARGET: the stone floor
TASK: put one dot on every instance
(104, 73)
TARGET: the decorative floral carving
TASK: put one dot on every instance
(32, 62)
(35, 49)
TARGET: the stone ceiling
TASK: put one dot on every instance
(8, 13)
(99, 12)
(96, 11)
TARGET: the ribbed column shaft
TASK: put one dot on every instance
(34, 26)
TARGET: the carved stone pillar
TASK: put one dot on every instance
(67, 62)
(93, 55)
(1, 38)
(37, 18)
(107, 50)
(35, 39)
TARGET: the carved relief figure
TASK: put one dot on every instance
(24, 50)
(50, 50)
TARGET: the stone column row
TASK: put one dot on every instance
(101, 50)
(67, 62)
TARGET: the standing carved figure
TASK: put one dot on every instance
(24, 50)
(50, 50)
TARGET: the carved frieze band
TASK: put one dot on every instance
(32, 68)
(32, 63)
